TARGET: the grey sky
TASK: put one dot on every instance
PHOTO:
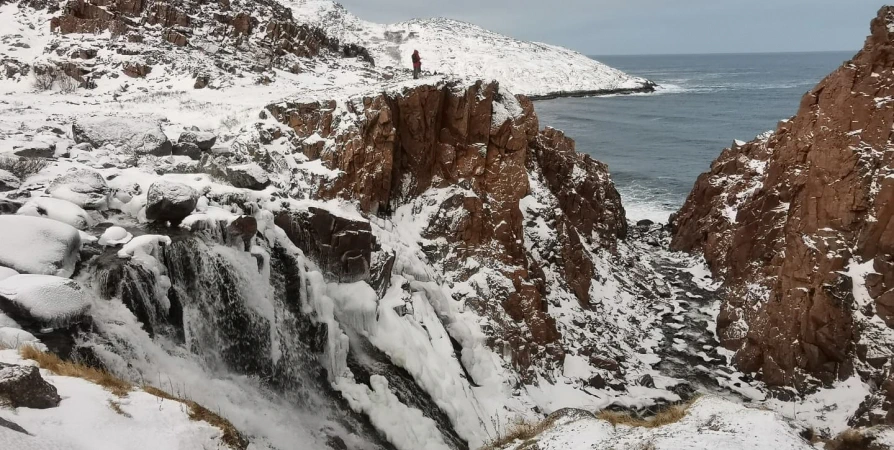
(604, 27)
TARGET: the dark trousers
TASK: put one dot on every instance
(416, 71)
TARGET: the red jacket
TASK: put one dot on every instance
(417, 61)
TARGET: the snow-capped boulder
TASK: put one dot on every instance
(115, 236)
(44, 298)
(38, 245)
(16, 338)
(61, 210)
(6, 272)
(25, 388)
(202, 140)
(85, 188)
(169, 201)
(36, 149)
(8, 181)
(248, 176)
(187, 149)
(142, 137)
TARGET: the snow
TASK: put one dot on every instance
(56, 209)
(467, 51)
(15, 338)
(38, 245)
(46, 297)
(85, 420)
(84, 188)
(6, 272)
(115, 236)
(144, 245)
(711, 423)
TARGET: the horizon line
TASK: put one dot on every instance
(723, 53)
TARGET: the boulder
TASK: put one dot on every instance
(23, 387)
(8, 181)
(38, 245)
(9, 206)
(203, 140)
(45, 299)
(187, 149)
(83, 187)
(248, 176)
(139, 136)
(56, 209)
(341, 246)
(169, 201)
(243, 230)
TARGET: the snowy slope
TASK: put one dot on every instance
(469, 51)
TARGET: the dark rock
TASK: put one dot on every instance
(342, 247)
(243, 230)
(248, 176)
(202, 82)
(204, 141)
(8, 181)
(646, 381)
(380, 273)
(169, 201)
(645, 223)
(9, 206)
(36, 149)
(23, 387)
(597, 382)
(187, 149)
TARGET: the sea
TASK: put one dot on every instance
(656, 145)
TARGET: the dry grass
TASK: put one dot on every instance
(231, 436)
(519, 430)
(849, 439)
(115, 406)
(669, 415)
(56, 365)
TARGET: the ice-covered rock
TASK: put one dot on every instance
(16, 338)
(38, 245)
(8, 181)
(85, 188)
(140, 136)
(56, 209)
(170, 201)
(145, 245)
(45, 298)
(25, 388)
(248, 176)
(115, 236)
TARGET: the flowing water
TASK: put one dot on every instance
(656, 145)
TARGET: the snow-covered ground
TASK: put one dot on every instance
(468, 51)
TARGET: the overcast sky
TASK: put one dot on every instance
(608, 27)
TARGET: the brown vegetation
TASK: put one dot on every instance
(56, 365)
(231, 436)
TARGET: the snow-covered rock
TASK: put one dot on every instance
(170, 201)
(56, 209)
(202, 140)
(83, 187)
(38, 245)
(6, 272)
(115, 236)
(8, 181)
(47, 298)
(140, 136)
(468, 51)
(248, 176)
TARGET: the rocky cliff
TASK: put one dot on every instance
(469, 155)
(799, 223)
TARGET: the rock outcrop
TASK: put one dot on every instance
(170, 202)
(125, 134)
(465, 154)
(800, 225)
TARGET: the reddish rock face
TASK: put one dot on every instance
(478, 147)
(782, 219)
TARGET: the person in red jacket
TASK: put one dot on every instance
(417, 64)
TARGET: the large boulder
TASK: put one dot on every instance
(56, 209)
(248, 176)
(83, 187)
(171, 202)
(38, 245)
(23, 387)
(8, 181)
(142, 137)
(341, 246)
(203, 140)
(44, 299)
